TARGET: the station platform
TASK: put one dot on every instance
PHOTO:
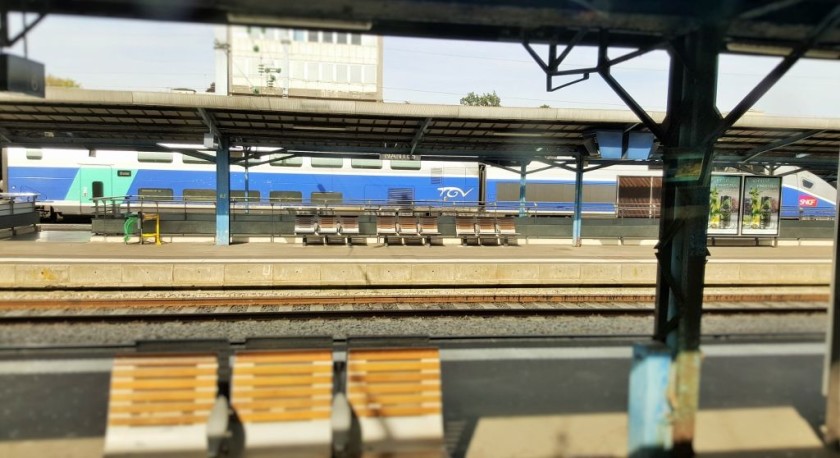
(38, 265)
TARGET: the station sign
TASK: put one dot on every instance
(397, 157)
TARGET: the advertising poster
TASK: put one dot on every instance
(724, 205)
(761, 200)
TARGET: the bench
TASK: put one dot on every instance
(164, 405)
(487, 230)
(465, 229)
(429, 229)
(396, 395)
(349, 227)
(507, 229)
(283, 399)
(386, 226)
(408, 230)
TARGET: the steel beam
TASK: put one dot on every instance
(418, 136)
(758, 151)
(223, 192)
(577, 221)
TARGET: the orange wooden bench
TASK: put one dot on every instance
(396, 394)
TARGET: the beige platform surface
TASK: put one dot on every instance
(100, 264)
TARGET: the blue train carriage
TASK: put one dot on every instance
(69, 180)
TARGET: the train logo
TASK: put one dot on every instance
(452, 192)
(807, 201)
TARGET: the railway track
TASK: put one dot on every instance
(109, 306)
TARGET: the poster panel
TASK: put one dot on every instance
(725, 205)
(761, 200)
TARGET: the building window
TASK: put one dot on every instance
(299, 35)
(328, 162)
(355, 39)
(327, 72)
(369, 76)
(355, 74)
(312, 71)
(297, 70)
(341, 73)
(149, 156)
(327, 37)
(341, 38)
(313, 36)
(366, 163)
(34, 154)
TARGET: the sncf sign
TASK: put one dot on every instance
(807, 201)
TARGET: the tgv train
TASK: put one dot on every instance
(68, 181)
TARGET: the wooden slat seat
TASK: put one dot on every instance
(327, 225)
(465, 228)
(429, 228)
(507, 229)
(386, 226)
(487, 229)
(396, 394)
(284, 399)
(349, 225)
(160, 405)
(305, 225)
(408, 226)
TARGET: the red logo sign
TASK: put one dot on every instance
(807, 201)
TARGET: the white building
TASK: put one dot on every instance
(298, 63)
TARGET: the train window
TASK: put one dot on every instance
(366, 163)
(151, 156)
(405, 165)
(289, 162)
(155, 194)
(195, 160)
(326, 198)
(807, 184)
(239, 196)
(199, 195)
(328, 162)
(34, 154)
(287, 197)
(98, 189)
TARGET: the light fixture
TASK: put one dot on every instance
(325, 24)
(320, 128)
(517, 134)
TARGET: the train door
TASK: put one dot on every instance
(94, 183)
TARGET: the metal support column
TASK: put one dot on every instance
(482, 185)
(576, 223)
(522, 171)
(4, 169)
(223, 192)
(691, 120)
(831, 383)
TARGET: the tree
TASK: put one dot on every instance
(544, 106)
(55, 81)
(484, 100)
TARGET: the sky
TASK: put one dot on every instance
(155, 56)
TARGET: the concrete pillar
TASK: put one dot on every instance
(223, 192)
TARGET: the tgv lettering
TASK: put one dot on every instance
(452, 191)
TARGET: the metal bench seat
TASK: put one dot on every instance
(465, 229)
